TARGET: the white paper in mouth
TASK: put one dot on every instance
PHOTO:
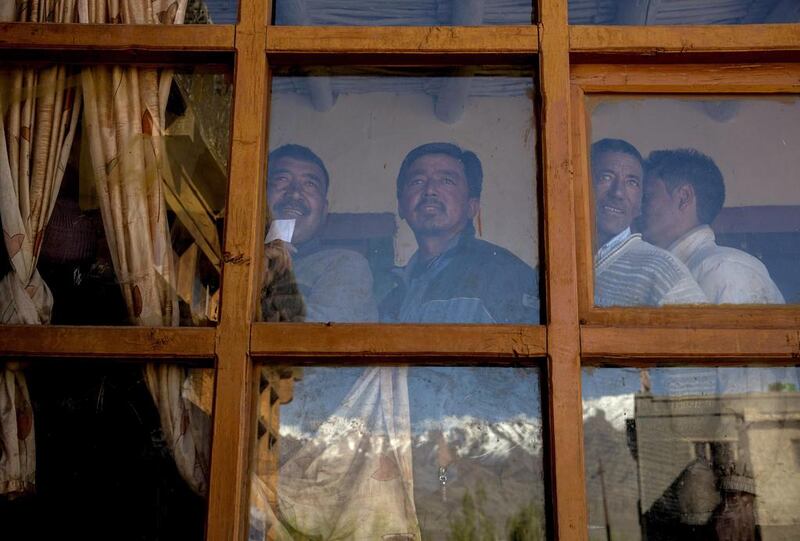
(280, 229)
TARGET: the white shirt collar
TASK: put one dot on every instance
(609, 246)
(685, 246)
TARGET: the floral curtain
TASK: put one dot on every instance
(39, 110)
(124, 121)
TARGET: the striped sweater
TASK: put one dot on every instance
(636, 273)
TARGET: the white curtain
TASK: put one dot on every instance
(39, 110)
(353, 479)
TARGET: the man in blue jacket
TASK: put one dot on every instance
(454, 277)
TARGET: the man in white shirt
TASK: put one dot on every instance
(683, 193)
(629, 271)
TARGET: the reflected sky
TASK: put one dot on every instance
(599, 382)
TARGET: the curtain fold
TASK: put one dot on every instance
(124, 122)
(352, 479)
(39, 110)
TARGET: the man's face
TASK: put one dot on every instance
(435, 198)
(618, 193)
(296, 191)
(660, 214)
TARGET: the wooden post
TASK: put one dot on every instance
(233, 435)
(563, 330)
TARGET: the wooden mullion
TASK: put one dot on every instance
(706, 316)
(762, 78)
(658, 343)
(107, 342)
(316, 340)
(563, 332)
(116, 37)
(654, 41)
(424, 45)
(233, 433)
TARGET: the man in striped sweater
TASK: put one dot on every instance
(628, 270)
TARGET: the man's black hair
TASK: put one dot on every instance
(472, 165)
(604, 146)
(298, 152)
(689, 166)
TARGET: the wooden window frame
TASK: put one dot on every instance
(567, 58)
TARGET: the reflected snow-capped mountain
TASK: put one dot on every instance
(616, 409)
(466, 436)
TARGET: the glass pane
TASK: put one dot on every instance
(402, 196)
(613, 12)
(163, 12)
(692, 453)
(86, 454)
(398, 453)
(113, 182)
(403, 12)
(696, 200)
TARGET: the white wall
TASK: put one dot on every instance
(364, 138)
(757, 149)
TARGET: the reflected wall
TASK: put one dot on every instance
(692, 452)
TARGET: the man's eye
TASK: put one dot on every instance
(634, 182)
(449, 180)
(311, 185)
(606, 177)
(415, 181)
(278, 181)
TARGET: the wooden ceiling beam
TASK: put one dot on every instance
(637, 12)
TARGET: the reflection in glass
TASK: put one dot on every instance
(638, 12)
(692, 453)
(695, 201)
(403, 12)
(113, 182)
(404, 197)
(121, 12)
(399, 453)
(97, 451)
(211, 12)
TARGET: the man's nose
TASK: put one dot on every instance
(616, 188)
(294, 190)
(431, 186)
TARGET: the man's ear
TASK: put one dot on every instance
(686, 197)
(473, 206)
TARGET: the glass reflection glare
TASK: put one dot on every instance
(403, 12)
(691, 453)
(646, 12)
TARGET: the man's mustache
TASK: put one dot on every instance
(428, 201)
(292, 205)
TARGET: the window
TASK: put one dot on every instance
(261, 60)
